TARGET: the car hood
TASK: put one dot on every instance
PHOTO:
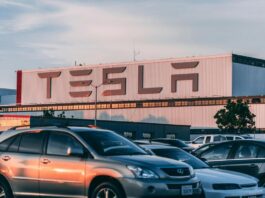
(211, 176)
(148, 161)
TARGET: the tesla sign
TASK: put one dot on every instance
(49, 76)
(123, 82)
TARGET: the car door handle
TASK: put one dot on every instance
(6, 158)
(45, 161)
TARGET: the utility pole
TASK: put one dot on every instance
(96, 101)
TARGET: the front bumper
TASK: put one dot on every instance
(241, 193)
(151, 188)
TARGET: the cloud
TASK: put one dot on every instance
(58, 32)
(87, 31)
(6, 3)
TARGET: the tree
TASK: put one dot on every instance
(61, 115)
(48, 113)
(235, 116)
(51, 114)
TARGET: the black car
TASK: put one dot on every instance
(245, 156)
(202, 148)
(175, 142)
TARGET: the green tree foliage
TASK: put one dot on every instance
(51, 114)
(48, 113)
(235, 116)
(61, 115)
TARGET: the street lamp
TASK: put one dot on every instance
(96, 98)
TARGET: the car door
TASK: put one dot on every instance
(21, 162)
(62, 166)
(244, 159)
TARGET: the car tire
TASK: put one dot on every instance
(5, 190)
(109, 188)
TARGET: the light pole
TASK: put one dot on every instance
(96, 101)
(96, 97)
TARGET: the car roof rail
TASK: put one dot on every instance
(51, 125)
(17, 127)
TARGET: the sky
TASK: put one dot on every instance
(53, 33)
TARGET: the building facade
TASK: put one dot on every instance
(7, 96)
(181, 91)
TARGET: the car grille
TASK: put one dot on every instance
(177, 172)
(248, 185)
(257, 196)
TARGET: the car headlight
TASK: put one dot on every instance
(142, 173)
(225, 186)
(192, 173)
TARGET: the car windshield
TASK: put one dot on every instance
(178, 154)
(108, 143)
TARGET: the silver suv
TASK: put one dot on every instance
(78, 162)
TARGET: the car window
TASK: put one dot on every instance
(64, 145)
(31, 143)
(208, 139)
(246, 151)
(199, 140)
(219, 152)
(218, 138)
(13, 147)
(261, 152)
(108, 143)
(229, 137)
(239, 138)
(222, 138)
(6, 143)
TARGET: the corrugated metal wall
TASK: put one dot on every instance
(196, 116)
(214, 80)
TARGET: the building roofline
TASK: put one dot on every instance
(246, 60)
(134, 62)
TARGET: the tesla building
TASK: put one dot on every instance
(179, 91)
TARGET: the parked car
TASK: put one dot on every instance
(175, 142)
(245, 156)
(238, 137)
(216, 183)
(233, 137)
(204, 139)
(73, 162)
(143, 142)
(202, 148)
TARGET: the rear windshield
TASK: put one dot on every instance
(108, 143)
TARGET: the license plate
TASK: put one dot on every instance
(186, 190)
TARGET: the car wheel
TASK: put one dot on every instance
(107, 190)
(5, 191)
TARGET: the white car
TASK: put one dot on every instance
(204, 139)
(216, 183)
(219, 183)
